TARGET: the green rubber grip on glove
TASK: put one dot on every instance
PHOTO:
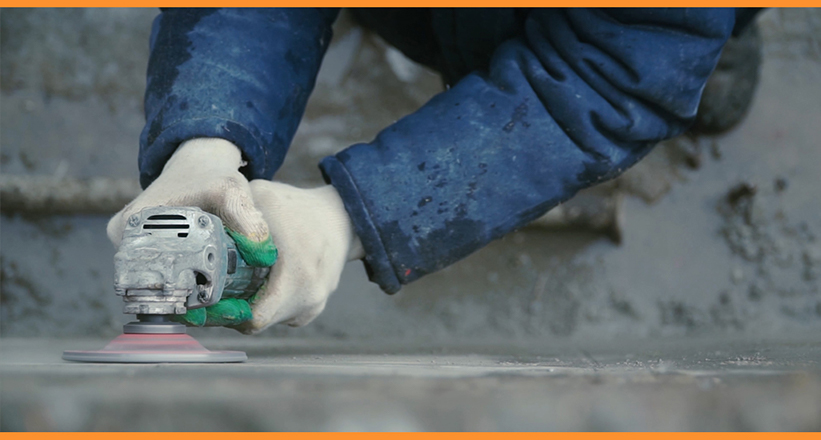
(233, 311)
(255, 253)
(227, 312)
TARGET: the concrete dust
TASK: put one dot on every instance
(77, 53)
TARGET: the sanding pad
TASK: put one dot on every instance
(154, 348)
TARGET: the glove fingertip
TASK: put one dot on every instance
(191, 318)
(256, 253)
(114, 229)
(228, 312)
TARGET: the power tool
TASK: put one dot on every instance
(171, 260)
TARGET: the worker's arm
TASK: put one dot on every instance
(226, 90)
(243, 75)
(576, 100)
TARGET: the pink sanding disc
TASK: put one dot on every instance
(154, 348)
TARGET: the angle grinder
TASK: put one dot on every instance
(173, 259)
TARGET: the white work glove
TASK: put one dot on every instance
(315, 238)
(310, 228)
(205, 173)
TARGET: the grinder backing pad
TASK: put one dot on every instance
(146, 342)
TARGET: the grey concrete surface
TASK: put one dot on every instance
(316, 384)
(706, 317)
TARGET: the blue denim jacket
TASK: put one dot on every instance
(544, 102)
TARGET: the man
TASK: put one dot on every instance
(541, 103)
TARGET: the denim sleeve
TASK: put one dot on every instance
(239, 74)
(576, 100)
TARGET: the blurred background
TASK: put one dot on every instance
(719, 241)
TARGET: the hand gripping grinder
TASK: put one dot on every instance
(173, 259)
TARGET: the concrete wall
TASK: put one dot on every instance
(689, 264)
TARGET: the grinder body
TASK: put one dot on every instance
(170, 260)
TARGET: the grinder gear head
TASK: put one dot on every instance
(170, 260)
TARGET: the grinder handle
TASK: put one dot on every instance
(242, 280)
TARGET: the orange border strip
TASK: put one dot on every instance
(436, 435)
(410, 3)
(404, 436)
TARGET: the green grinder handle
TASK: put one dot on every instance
(242, 280)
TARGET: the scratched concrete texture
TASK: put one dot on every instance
(693, 275)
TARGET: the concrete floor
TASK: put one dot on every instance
(323, 384)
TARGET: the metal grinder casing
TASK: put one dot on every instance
(172, 259)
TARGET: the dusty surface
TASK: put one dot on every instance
(720, 251)
(321, 384)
